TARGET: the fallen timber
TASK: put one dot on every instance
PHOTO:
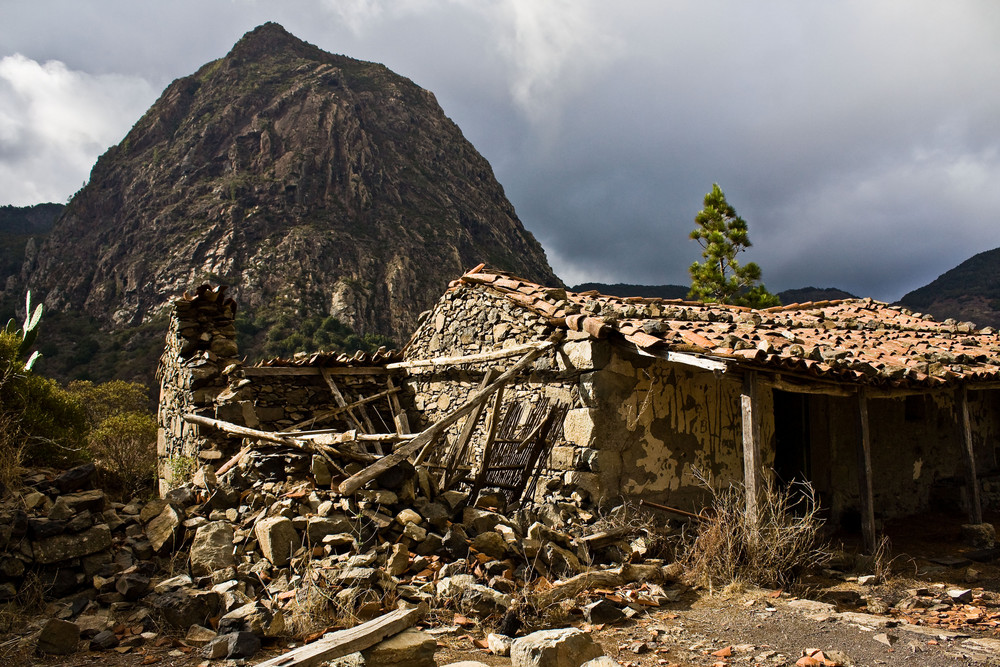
(356, 481)
(344, 642)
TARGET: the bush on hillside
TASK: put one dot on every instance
(122, 433)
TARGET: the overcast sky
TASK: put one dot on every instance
(858, 139)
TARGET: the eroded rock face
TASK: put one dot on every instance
(301, 178)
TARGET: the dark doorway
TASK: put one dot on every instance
(792, 446)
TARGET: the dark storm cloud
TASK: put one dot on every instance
(861, 140)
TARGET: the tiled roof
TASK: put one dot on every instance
(854, 340)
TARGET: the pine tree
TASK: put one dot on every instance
(722, 235)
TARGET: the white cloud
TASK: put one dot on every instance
(55, 122)
(554, 48)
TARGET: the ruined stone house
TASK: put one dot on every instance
(886, 412)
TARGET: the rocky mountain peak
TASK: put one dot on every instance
(314, 185)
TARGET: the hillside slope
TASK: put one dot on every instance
(968, 292)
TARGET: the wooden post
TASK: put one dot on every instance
(398, 414)
(751, 444)
(975, 506)
(865, 474)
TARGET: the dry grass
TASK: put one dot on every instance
(730, 548)
(12, 446)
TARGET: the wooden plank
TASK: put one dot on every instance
(228, 465)
(865, 474)
(467, 359)
(695, 360)
(333, 412)
(975, 504)
(344, 642)
(356, 481)
(235, 429)
(750, 408)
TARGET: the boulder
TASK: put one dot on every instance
(132, 586)
(63, 547)
(499, 644)
(410, 648)
(491, 543)
(165, 531)
(563, 647)
(76, 478)
(181, 609)
(277, 539)
(253, 617)
(212, 548)
(603, 612)
(105, 640)
(58, 637)
(234, 646)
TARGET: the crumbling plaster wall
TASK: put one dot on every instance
(655, 423)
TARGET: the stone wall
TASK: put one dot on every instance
(200, 346)
(201, 374)
(469, 321)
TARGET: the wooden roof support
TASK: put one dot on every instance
(975, 505)
(750, 412)
(865, 473)
(398, 414)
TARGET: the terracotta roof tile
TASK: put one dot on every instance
(849, 340)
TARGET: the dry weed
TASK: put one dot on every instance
(729, 547)
(11, 455)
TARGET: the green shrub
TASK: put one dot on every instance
(123, 446)
(45, 423)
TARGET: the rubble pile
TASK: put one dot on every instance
(269, 548)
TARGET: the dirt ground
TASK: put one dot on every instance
(740, 626)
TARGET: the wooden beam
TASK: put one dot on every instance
(236, 429)
(865, 474)
(467, 359)
(398, 413)
(272, 371)
(356, 481)
(333, 438)
(339, 398)
(750, 409)
(344, 642)
(695, 360)
(975, 506)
